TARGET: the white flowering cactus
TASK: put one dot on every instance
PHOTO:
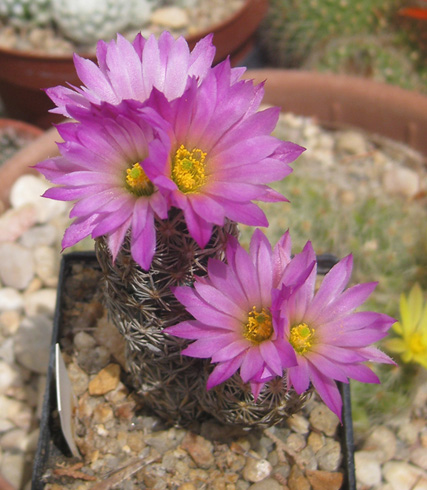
(21, 12)
(86, 21)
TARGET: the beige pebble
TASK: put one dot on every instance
(324, 480)
(199, 448)
(106, 380)
(173, 17)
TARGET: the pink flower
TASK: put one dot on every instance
(234, 324)
(222, 152)
(131, 70)
(331, 341)
(110, 163)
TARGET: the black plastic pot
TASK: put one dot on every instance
(51, 441)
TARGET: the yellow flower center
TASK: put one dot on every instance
(138, 182)
(188, 169)
(416, 343)
(301, 338)
(259, 326)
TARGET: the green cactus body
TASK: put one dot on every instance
(22, 12)
(376, 57)
(292, 29)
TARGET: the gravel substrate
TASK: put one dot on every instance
(392, 455)
(200, 16)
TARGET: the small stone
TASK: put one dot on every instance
(316, 441)
(368, 468)
(106, 380)
(12, 467)
(28, 190)
(83, 340)
(170, 17)
(321, 418)
(329, 457)
(298, 424)
(8, 376)
(295, 442)
(46, 264)
(79, 379)
(256, 470)
(296, 480)
(10, 299)
(408, 433)
(383, 441)
(16, 265)
(14, 440)
(103, 413)
(402, 181)
(9, 322)
(16, 411)
(15, 222)
(402, 476)
(324, 480)
(93, 360)
(307, 459)
(165, 440)
(419, 457)
(199, 448)
(267, 484)
(32, 343)
(41, 302)
(351, 142)
(39, 235)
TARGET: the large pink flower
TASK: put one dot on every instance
(234, 323)
(222, 152)
(110, 163)
(131, 70)
(331, 341)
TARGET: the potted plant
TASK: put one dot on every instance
(201, 132)
(25, 73)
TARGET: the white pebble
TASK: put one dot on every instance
(28, 189)
(351, 142)
(403, 476)
(368, 468)
(42, 301)
(172, 17)
(32, 343)
(15, 222)
(402, 181)
(256, 469)
(16, 265)
(10, 299)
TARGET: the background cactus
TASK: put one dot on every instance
(292, 29)
(378, 57)
(21, 12)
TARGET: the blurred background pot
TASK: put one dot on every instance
(25, 74)
(340, 100)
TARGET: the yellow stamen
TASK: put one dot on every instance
(188, 169)
(138, 182)
(416, 343)
(301, 338)
(259, 326)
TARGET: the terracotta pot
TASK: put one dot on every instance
(24, 75)
(340, 100)
(41, 146)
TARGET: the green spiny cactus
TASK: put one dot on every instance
(376, 57)
(22, 12)
(292, 28)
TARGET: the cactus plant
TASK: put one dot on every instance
(292, 29)
(21, 12)
(376, 57)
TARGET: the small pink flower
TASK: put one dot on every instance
(131, 70)
(331, 341)
(222, 152)
(109, 165)
(234, 323)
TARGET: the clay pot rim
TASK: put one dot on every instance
(21, 126)
(192, 39)
(348, 101)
